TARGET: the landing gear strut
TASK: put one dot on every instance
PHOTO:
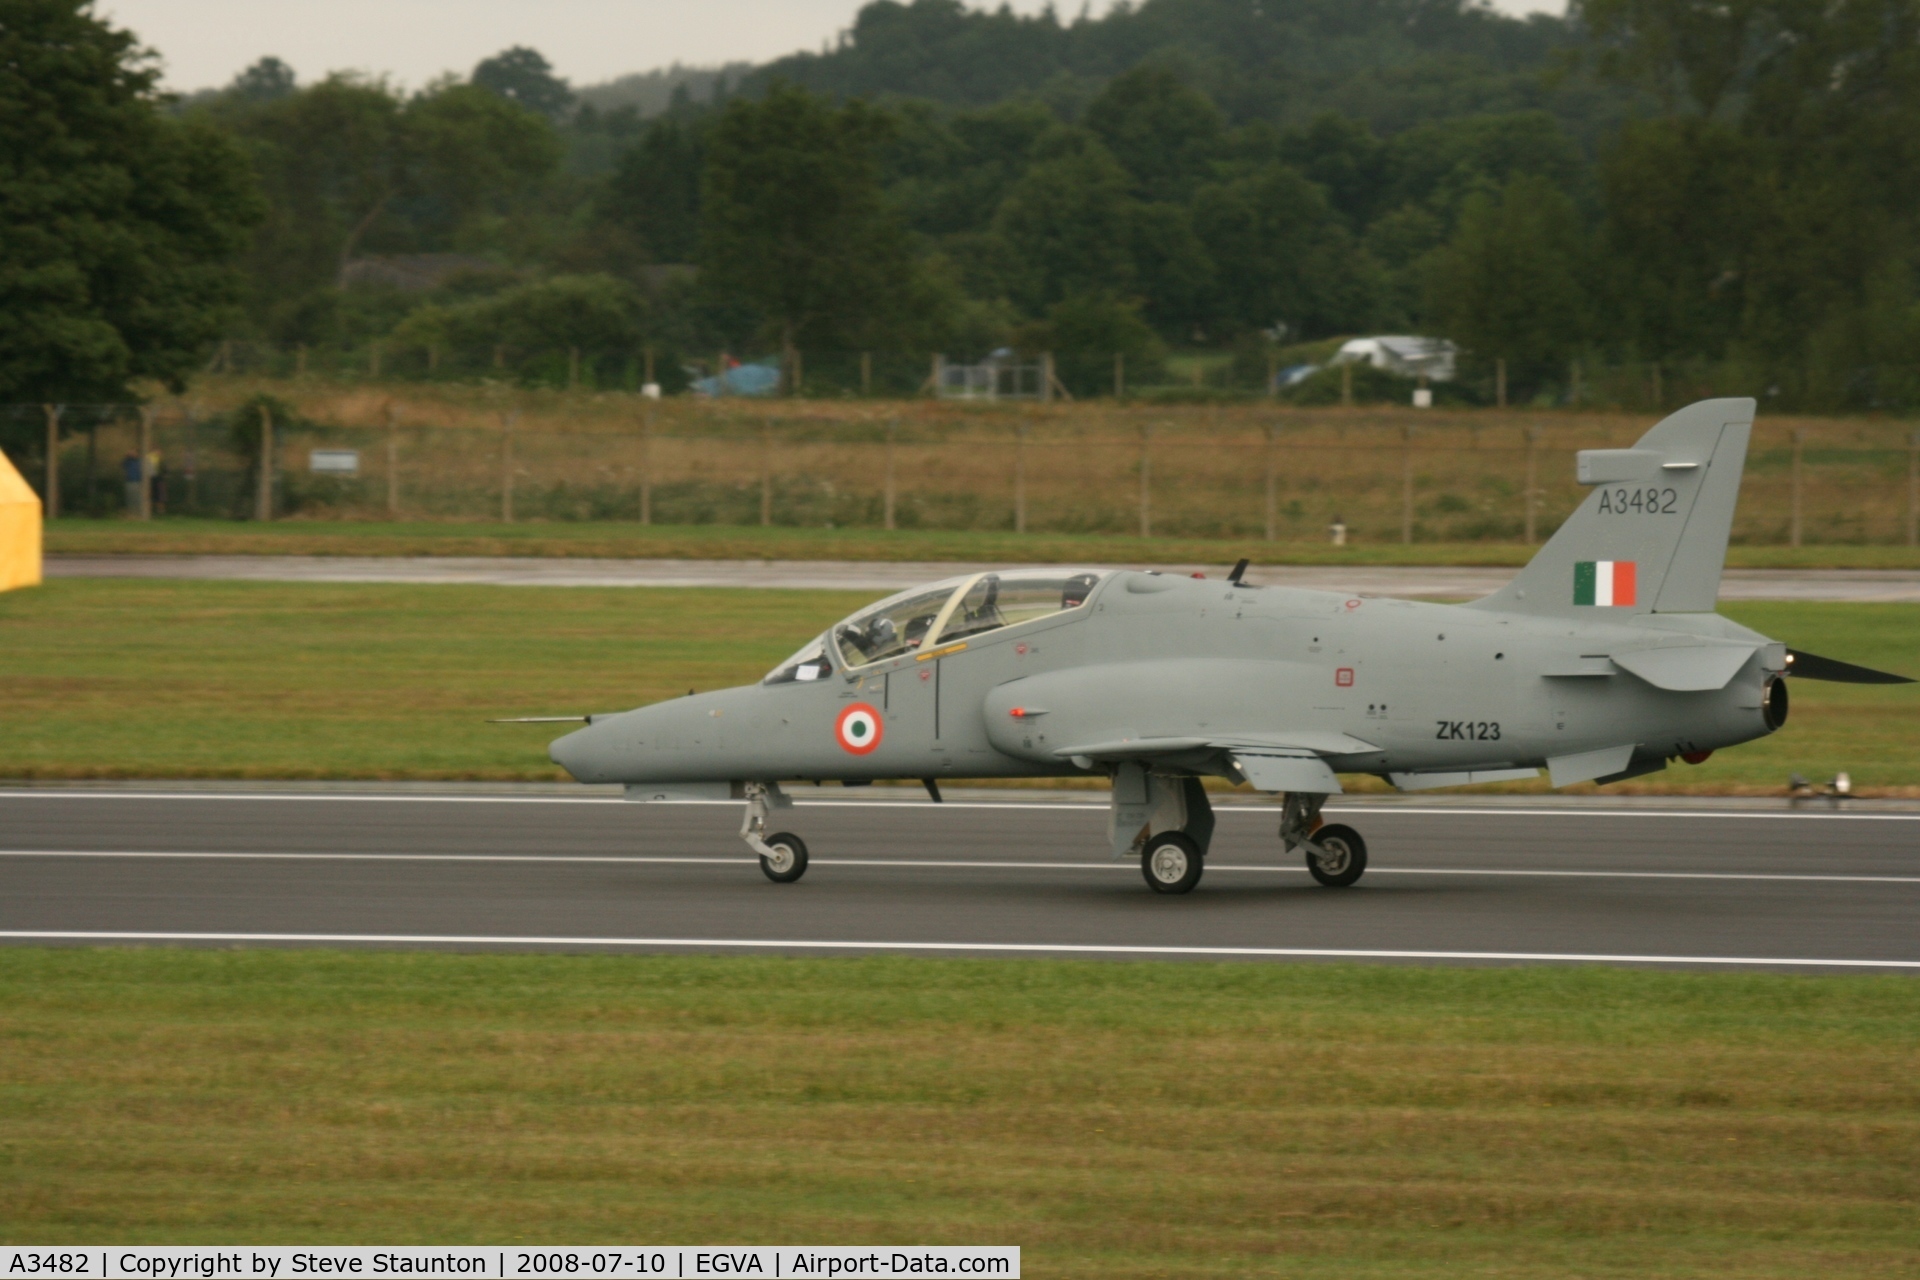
(783, 855)
(1165, 821)
(1336, 855)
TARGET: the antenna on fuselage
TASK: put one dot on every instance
(1239, 569)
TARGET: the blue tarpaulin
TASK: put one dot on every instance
(759, 379)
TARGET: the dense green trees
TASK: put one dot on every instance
(118, 226)
(1733, 187)
(793, 221)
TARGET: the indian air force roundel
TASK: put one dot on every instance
(858, 729)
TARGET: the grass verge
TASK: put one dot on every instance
(187, 536)
(134, 679)
(1113, 1119)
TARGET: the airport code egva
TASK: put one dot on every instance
(179, 1262)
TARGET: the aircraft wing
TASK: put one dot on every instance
(1270, 762)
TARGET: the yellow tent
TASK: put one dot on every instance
(19, 530)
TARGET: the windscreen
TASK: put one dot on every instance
(811, 663)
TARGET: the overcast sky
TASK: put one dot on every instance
(205, 42)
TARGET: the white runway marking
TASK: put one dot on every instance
(919, 864)
(1014, 948)
(1225, 810)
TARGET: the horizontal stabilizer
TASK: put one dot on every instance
(1811, 666)
(1686, 668)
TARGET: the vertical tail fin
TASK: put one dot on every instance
(1652, 536)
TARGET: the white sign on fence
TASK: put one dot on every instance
(334, 462)
(479, 1262)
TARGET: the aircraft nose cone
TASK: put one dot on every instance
(578, 754)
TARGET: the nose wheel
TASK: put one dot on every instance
(783, 855)
(785, 859)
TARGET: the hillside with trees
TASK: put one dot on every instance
(1719, 193)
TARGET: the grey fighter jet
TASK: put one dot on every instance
(1602, 660)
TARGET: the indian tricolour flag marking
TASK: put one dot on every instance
(1606, 583)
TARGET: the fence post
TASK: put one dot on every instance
(719, 374)
(1500, 382)
(866, 373)
(934, 379)
(893, 426)
(1020, 479)
(1532, 494)
(799, 373)
(1793, 532)
(93, 467)
(1346, 385)
(506, 467)
(647, 356)
(1273, 484)
(1406, 485)
(52, 504)
(1046, 377)
(392, 461)
(1913, 489)
(263, 491)
(1119, 375)
(1146, 481)
(193, 460)
(646, 464)
(766, 473)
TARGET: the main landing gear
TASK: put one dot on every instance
(783, 855)
(1164, 821)
(1336, 855)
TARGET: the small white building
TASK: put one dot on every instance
(1410, 357)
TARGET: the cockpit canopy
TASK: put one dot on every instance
(947, 611)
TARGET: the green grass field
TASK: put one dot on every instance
(1115, 1120)
(745, 542)
(109, 678)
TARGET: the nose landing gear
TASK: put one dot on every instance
(783, 855)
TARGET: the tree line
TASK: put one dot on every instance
(1722, 188)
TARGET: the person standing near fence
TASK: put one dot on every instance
(131, 480)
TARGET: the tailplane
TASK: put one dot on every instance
(1652, 536)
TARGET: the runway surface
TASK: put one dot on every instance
(550, 870)
(1879, 585)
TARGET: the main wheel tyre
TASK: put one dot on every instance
(1171, 863)
(789, 860)
(1346, 858)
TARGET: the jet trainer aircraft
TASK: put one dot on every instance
(1602, 660)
